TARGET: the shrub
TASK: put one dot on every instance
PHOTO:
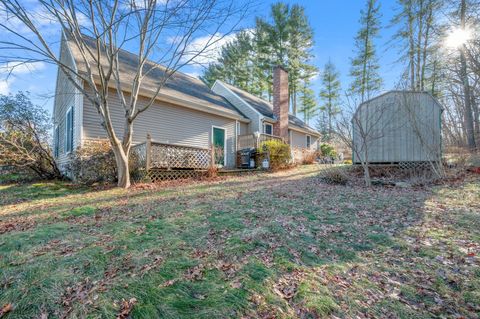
(279, 153)
(94, 163)
(309, 156)
(24, 137)
(335, 175)
(328, 150)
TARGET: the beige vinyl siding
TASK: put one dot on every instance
(66, 96)
(405, 126)
(166, 123)
(244, 128)
(255, 124)
(299, 140)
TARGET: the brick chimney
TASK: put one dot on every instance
(280, 102)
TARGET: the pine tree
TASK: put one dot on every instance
(330, 96)
(416, 21)
(234, 65)
(308, 104)
(247, 62)
(364, 71)
(299, 53)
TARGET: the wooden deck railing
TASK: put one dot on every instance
(254, 140)
(151, 154)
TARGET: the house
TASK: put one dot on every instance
(186, 114)
(398, 127)
(268, 118)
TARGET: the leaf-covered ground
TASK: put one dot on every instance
(281, 245)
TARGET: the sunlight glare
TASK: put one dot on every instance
(458, 37)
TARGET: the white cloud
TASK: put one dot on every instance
(19, 68)
(9, 72)
(206, 49)
(4, 87)
(41, 18)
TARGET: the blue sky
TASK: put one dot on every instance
(335, 24)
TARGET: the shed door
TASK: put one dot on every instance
(218, 141)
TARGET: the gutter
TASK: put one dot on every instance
(184, 103)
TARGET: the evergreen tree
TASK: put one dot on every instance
(364, 71)
(308, 104)
(247, 62)
(416, 21)
(330, 96)
(234, 65)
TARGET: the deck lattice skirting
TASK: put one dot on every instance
(162, 161)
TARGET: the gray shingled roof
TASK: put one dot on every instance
(266, 108)
(180, 85)
(263, 107)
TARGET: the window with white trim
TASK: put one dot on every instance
(238, 128)
(268, 128)
(56, 141)
(309, 141)
(69, 131)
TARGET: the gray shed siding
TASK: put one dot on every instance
(255, 117)
(166, 123)
(400, 127)
(66, 96)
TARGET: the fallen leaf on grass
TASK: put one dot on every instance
(126, 308)
(6, 309)
(168, 283)
(195, 273)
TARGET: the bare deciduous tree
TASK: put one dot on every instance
(359, 128)
(161, 32)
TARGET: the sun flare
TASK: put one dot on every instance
(458, 37)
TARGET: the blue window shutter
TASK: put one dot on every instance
(69, 131)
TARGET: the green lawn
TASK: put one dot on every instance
(280, 245)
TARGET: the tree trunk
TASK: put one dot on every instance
(468, 115)
(419, 45)
(123, 172)
(119, 150)
(366, 175)
(425, 46)
(411, 51)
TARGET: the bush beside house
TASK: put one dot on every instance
(279, 153)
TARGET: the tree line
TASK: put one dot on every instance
(424, 28)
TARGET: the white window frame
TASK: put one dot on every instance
(238, 127)
(308, 140)
(224, 143)
(265, 128)
(65, 144)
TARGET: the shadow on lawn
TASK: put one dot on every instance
(250, 246)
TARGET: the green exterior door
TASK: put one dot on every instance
(219, 145)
